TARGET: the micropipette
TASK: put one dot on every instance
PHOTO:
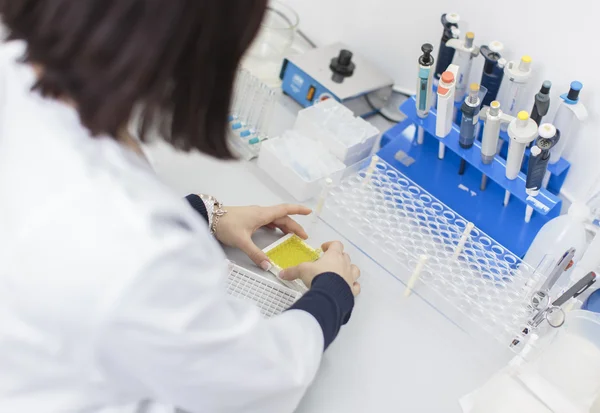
(542, 103)
(445, 106)
(424, 81)
(446, 53)
(512, 91)
(522, 131)
(470, 119)
(494, 118)
(549, 136)
(571, 113)
(493, 70)
(463, 58)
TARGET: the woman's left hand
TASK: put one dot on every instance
(236, 227)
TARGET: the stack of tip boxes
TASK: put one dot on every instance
(331, 127)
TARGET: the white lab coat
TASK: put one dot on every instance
(111, 287)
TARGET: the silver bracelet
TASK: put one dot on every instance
(214, 210)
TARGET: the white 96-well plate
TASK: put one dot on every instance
(270, 297)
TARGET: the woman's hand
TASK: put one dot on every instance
(236, 227)
(333, 260)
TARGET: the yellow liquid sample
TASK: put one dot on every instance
(291, 253)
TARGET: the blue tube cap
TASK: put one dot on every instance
(245, 133)
(236, 126)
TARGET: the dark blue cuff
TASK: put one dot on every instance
(330, 301)
(197, 203)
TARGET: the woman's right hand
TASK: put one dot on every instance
(334, 260)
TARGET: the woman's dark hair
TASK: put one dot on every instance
(175, 60)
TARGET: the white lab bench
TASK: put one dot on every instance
(396, 354)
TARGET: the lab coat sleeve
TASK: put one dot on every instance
(173, 335)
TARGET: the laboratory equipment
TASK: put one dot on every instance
(327, 185)
(570, 114)
(541, 298)
(290, 251)
(470, 120)
(269, 296)
(560, 234)
(548, 137)
(310, 77)
(415, 275)
(590, 261)
(272, 43)
(522, 131)
(461, 192)
(463, 58)
(396, 222)
(512, 95)
(541, 104)
(350, 139)
(493, 70)
(445, 105)
(253, 103)
(445, 53)
(493, 119)
(299, 164)
(424, 90)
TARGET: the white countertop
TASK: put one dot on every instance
(396, 354)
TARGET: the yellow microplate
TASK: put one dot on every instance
(292, 252)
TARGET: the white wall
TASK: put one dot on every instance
(560, 35)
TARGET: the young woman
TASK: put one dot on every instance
(111, 295)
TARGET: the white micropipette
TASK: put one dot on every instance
(463, 58)
(445, 105)
(522, 131)
(571, 113)
(494, 118)
(512, 93)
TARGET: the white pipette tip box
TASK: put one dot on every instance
(290, 251)
(270, 297)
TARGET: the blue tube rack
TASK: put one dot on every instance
(462, 192)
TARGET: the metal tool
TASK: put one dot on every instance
(494, 118)
(334, 72)
(463, 58)
(542, 103)
(445, 53)
(522, 131)
(424, 90)
(555, 315)
(470, 119)
(548, 137)
(493, 70)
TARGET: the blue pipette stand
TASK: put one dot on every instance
(462, 192)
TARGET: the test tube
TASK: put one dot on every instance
(240, 84)
(265, 117)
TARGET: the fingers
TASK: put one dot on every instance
(287, 225)
(255, 254)
(355, 272)
(356, 289)
(334, 246)
(280, 211)
(293, 273)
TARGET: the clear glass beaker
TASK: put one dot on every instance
(273, 42)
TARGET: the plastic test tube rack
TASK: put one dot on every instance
(507, 225)
(407, 230)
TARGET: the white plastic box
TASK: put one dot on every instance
(285, 175)
(351, 139)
